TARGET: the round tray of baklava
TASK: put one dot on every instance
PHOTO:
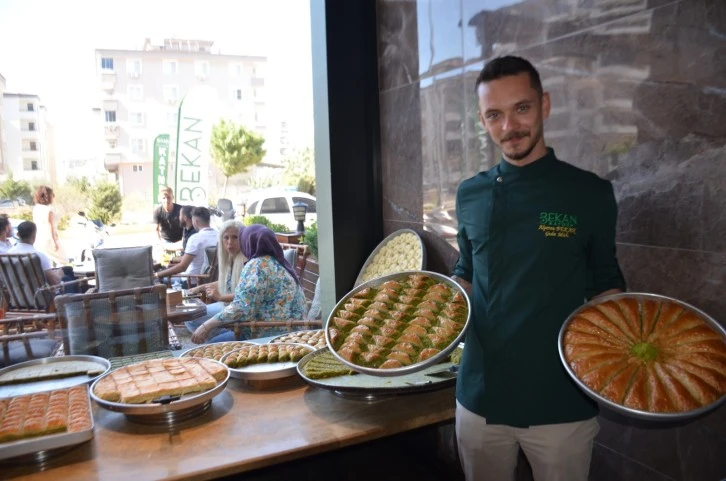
(216, 350)
(314, 338)
(403, 250)
(163, 390)
(398, 324)
(263, 362)
(646, 356)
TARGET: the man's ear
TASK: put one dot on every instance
(545, 105)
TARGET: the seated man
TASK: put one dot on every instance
(26, 238)
(194, 260)
(6, 234)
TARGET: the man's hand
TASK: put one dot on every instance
(466, 285)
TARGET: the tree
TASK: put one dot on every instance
(106, 202)
(299, 170)
(12, 189)
(235, 149)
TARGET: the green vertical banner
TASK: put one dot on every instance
(161, 164)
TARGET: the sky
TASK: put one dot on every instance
(47, 48)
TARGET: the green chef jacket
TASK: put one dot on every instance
(534, 242)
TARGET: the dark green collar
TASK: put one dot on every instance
(535, 169)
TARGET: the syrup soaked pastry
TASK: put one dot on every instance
(398, 323)
(265, 354)
(44, 413)
(315, 338)
(145, 381)
(646, 354)
(216, 350)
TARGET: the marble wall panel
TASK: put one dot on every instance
(397, 44)
(401, 147)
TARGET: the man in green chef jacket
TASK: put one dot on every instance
(536, 239)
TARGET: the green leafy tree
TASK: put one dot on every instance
(106, 202)
(235, 149)
(12, 189)
(311, 239)
(261, 219)
(299, 170)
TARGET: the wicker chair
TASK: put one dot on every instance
(115, 323)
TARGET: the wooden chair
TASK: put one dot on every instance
(25, 286)
(309, 274)
(24, 338)
(115, 323)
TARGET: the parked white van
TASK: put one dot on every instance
(276, 205)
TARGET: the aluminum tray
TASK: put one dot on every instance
(275, 340)
(238, 344)
(438, 376)
(369, 261)
(157, 412)
(265, 371)
(415, 367)
(626, 411)
(42, 446)
(12, 390)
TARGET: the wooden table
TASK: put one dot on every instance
(193, 309)
(245, 429)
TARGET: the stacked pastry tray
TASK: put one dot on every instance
(403, 250)
(40, 448)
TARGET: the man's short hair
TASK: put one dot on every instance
(203, 214)
(26, 230)
(167, 190)
(4, 222)
(506, 67)
(187, 210)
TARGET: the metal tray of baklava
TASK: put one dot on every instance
(420, 262)
(418, 366)
(187, 402)
(30, 387)
(265, 371)
(39, 448)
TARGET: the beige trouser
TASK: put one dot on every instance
(556, 452)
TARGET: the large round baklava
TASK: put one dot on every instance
(398, 323)
(646, 354)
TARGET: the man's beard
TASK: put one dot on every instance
(517, 156)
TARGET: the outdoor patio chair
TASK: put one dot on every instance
(25, 286)
(25, 338)
(210, 274)
(123, 268)
(115, 323)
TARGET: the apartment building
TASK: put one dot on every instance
(141, 90)
(27, 139)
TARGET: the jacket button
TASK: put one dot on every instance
(499, 179)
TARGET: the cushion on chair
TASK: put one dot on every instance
(123, 268)
(291, 257)
(39, 347)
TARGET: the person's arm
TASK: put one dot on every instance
(604, 274)
(54, 276)
(181, 266)
(212, 291)
(200, 288)
(463, 271)
(53, 230)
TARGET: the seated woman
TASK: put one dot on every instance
(231, 261)
(268, 289)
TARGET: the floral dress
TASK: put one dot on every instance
(265, 292)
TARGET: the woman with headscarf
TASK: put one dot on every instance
(268, 289)
(231, 261)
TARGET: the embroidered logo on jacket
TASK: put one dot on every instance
(555, 224)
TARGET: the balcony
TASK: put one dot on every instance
(111, 161)
(111, 131)
(108, 81)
